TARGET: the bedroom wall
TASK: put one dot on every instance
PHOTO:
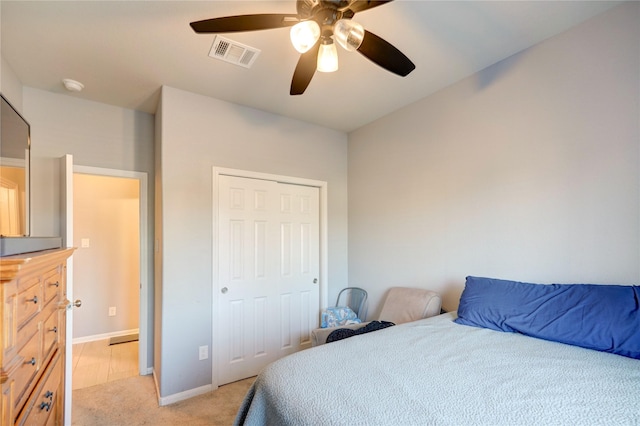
(527, 170)
(198, 133)
(97, 135)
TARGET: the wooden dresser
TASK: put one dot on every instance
(33, 313)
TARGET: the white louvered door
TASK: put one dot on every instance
(268, 262)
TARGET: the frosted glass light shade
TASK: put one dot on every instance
(328, 58)
(304, 35)
(348, 34)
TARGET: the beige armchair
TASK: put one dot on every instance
(401, 305)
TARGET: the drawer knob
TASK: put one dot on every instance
(34, 300)
(56, 284)
(45, 406)
(54, 329)
(32, 361)
(49, 395)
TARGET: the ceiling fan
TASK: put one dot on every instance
(315, 27)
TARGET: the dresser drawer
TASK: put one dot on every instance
(31, 354)
(50, 332)
(52, 283)
(42, 408)
(30, 300)
(26, 333)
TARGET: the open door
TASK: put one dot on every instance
(66, 232)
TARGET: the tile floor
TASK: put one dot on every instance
(96, 362)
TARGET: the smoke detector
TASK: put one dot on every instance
(72, 85)
(233, 52)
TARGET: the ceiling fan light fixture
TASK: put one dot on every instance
(327, 56)
(304, 35)
(348, 34)
(322, 23)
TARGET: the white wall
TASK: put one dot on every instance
(106, 272)
(97, 135)
(528, 170)
(198, 133)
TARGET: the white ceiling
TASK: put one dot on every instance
(124, 51)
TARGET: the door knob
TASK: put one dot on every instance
(224, 290)
(68, 305)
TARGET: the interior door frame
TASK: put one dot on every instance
(66, 232)
(324, 243)
(143, 322)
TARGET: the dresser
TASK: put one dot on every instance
(33, 313)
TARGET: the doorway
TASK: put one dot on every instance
(106, 277)
(268, 269)
(109, 331)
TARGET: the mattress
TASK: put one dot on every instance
(435, 371)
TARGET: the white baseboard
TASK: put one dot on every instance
(95, 337)
(181, 396)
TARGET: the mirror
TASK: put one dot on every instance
(15, 145)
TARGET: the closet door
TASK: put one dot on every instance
(268, 249)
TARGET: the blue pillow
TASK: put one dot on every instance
(601, 317)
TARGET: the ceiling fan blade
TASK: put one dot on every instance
(361, 5)
(305, 70)
(229, 24)
(385, 54)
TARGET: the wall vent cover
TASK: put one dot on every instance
(233, 52)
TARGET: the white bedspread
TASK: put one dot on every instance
(435, 371)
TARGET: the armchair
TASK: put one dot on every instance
(401, 305)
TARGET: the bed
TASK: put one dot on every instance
(437, 371)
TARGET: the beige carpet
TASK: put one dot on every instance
(133, 401)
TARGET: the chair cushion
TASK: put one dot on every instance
(409, 304)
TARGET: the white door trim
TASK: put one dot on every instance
(142, 178)
(66, 232)
(324, 241)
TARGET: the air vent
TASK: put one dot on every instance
(233, 52)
